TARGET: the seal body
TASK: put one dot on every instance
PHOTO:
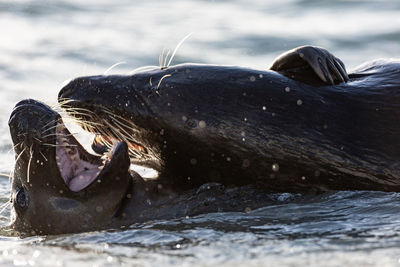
(233, 125)
(58, 187)
(221, 137)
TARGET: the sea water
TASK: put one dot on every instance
(43, 44)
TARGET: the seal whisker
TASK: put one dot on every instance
(164, 63)
(144, 68)
(16, 161)
(29, 163)
(17, 144)
(134, 152)
(49, 135)
(5, 205)
(73, 109)
(73, 112)
(49, 129)
(47, 124)
(43, 156)
(160, 58)
(114, 116)
(13, 148)
(64, 101)
(119, 125)
(113, 66)
(105, 132)
(115, 132)
(17, 158)
(162, 78)
(177, 47)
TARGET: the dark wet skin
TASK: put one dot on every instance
(201, 123)
(222, 138)
(42, 202)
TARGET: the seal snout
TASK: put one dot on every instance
(28, 120)
(69, 89)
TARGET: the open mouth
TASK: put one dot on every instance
(102, 143)
(77, 167)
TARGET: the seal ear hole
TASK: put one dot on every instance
(21, 198)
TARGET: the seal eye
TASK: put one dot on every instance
(21, 197)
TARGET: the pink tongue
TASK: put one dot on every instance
(76, 172)
(80, 181)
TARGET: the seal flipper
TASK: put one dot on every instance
(311, 64)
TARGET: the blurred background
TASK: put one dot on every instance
(44, 43)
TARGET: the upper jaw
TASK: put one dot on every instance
(39, 133)
(109, 127)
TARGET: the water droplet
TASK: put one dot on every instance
(299, 102)
(275, 167)
(287, 89)
(202, 124)
(252, 79)
(264, 108)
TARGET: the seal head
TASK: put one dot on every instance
(57, 186)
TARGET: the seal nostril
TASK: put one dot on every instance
(70, 88)
(65, 92)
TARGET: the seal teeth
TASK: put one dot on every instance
(106, 156)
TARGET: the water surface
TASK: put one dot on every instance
(45, 43)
